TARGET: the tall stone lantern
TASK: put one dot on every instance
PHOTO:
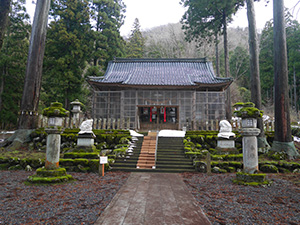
(249, 131)
(76, 110)
(51, 173)
(55, 114)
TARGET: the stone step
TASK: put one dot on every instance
(162, 170)
(178, 162)
(176, 166)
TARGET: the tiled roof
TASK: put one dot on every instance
(160, 72)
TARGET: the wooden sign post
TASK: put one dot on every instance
(103, 160)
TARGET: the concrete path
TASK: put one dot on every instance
(153, 198)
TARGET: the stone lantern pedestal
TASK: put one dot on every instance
(51, 173)
(53, 148)
(250, 151)
(86, 139)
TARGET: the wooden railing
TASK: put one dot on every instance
(113, 124)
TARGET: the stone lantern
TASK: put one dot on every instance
(76, 110)
(249, 115)
(55, 114)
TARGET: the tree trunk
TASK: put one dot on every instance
(217, 54)
(254, 62)
(31, 93)
(4, 10)
(295, 90)
(227, 72)
(283, 140)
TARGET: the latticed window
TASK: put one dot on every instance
(191, 106)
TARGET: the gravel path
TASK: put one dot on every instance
(79, 202)
(226, 203)
(82, 201)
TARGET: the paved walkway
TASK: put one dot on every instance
(153, 198)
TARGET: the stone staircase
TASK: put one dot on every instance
(147, 155)
(170, 156)
(130, 161)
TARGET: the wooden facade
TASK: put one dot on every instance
(160, 94)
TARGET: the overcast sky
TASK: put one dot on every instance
(152, 13)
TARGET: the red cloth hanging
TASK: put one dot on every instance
(151, 114)
(165, 115)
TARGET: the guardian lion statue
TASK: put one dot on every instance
(86, 126)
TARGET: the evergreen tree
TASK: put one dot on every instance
(4, 10)
(13, 58)
(108, 17)
(68, 49)
(209, 18)
(267, 54)
(33, 76)
(283, 140)
(136, 42)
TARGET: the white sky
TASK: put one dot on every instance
(152, 13)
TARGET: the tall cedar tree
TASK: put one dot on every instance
(267, 54)
(254, 70)
(136, 42)
(283, 140)
(33, 76)
(4, 10)
(67, 51)
(209, 18)
(13, 56)
(108, 16)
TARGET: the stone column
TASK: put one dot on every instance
(53, 142)
(250, 153)
(53, 148)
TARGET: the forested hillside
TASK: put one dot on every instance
(83, 36)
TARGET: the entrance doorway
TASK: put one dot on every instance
(158, 117)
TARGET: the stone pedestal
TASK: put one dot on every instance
(226, 138)
(250, 152)
(53, 148)
(225, 143)
(86, 139)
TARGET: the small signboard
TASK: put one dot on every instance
(103, 160)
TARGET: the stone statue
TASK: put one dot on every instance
(86, 126)
(225, 130)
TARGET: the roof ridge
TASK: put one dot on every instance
(160, 59)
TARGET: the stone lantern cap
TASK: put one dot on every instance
(55, 110)
(76, 106)
(247, 110)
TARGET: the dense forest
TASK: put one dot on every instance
(83, 36)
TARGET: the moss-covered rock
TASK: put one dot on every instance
(83, 155)
(216, 169)
(4, 166)
(267, 168)
(94, 165)
(251, 179)
(49, 180)
(43, 172)
(16, 167)
(82, 162)
(200, 166)
(46, 176)
(231, 169)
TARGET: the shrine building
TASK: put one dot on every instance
(155, 94)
